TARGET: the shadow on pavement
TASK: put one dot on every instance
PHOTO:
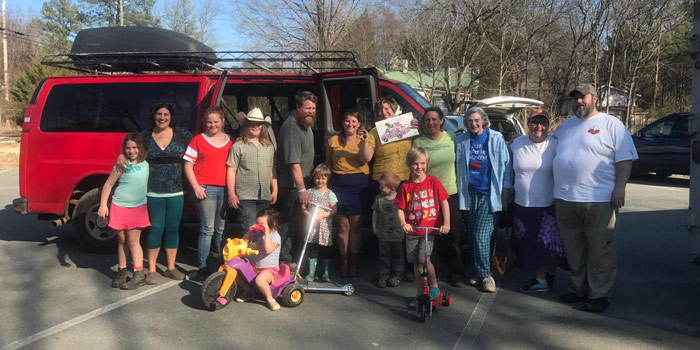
(655, 286)
(653, 180)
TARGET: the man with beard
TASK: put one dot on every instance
(295, 160)
(593, 161)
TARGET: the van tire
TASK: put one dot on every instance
(87, 233)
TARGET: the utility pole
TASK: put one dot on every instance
(4, 54)
(121, 12)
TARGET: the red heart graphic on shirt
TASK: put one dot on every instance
(594, 130)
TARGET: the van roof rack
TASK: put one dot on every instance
(283, 62)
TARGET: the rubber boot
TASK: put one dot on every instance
(343, 271)
(312, 269)
(352, 268)
(326, 277)
(138, 280)
(120, 279)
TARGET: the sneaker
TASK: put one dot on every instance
(412, 304)
(202, 274)
(242, 298)
(434, 292)
(394, 281)
(473, 281)
(550, 280)
(120, 279)
(273, 305)
(151, 278)
(458, 281)
(408, 276)
(381, 283)
(535, 286)
(489, 285)
(138, 280)
(174, 274)
(571, 297)
(596, 305)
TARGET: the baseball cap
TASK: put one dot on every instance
(539, 112)
(584, 89)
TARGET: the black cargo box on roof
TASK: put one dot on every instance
(133, 39)
(135, 49)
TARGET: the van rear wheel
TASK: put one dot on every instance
(87, 231)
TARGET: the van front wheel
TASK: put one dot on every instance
(85, 223)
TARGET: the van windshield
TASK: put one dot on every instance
(414, 95)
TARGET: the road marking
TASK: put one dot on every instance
(476, 320)
(90, 315)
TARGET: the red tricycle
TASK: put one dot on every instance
(219, 289)
(425, 305)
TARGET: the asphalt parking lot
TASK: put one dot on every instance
(56, 296)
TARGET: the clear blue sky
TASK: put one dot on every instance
(222, 28)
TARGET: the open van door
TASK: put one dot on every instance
(217, 100)
(343, 90)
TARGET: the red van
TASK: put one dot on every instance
(74, 125)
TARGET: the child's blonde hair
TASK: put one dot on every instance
(416, 152)
(140, 143)
(391, 180)
(321, 170)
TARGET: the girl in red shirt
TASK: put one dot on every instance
(205, 168)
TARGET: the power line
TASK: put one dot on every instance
(19, 33)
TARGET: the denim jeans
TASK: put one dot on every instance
(212, 218)
(249, 210)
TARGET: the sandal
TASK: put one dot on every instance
(273, 305)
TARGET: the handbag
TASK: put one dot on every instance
(503, 257)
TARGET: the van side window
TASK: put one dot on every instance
(115, 107)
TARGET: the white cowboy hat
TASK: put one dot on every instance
(255, 115)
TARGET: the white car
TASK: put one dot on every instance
(501, 111)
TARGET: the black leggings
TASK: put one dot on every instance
(319, 251)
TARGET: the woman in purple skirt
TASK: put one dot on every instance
(535, 235)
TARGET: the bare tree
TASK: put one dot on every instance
(298, 24)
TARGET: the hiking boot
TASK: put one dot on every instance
(151, 278)
(596, 305)
(174, 274)
(535, 286)
(381, 283)
(394, 281)
(489, 285)
(137, 280)
(120, 279)
(571, 297)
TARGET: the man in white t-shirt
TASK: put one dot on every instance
(591, 168)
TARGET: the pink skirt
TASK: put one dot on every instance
(121, 218)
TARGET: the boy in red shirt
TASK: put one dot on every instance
(422, 202)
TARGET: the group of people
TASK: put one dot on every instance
(566, 189)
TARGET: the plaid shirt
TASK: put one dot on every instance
(254, 165)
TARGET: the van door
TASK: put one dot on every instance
(343, 90)
(217, 93)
